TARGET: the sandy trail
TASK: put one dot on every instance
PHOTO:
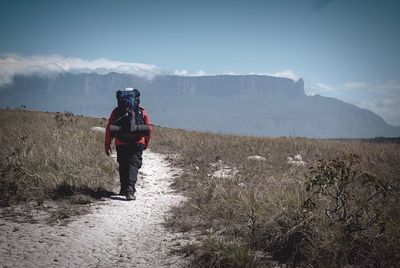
(117, 234)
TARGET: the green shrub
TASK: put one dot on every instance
(351, 209)
(350, 198)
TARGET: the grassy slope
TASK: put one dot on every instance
(48, 155)
(257, 212)
(260, 210)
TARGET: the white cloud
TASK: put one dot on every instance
(388, 108)
(199, 73)
(312, 89)
(186, 73)
(351, 84)
(11, 65)
(323, 87)
(377, 85)
(181, 72)
(379, 96)
(284, 74)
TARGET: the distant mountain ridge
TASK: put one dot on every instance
(238, 104)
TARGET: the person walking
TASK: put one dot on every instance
(126, 124)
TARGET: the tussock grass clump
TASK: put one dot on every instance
(218, 253)
(262, 206)
(51, 155)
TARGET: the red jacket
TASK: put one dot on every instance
(144, 140)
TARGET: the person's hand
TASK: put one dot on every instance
(108, 149)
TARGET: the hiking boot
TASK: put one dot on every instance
(130, 196)
(122, 192)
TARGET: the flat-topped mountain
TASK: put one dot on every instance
(239, 104)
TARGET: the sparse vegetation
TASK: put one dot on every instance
(52, 155)
(340, 208)
(218, 253)
(337, 210)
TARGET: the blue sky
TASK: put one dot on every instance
(342, 48)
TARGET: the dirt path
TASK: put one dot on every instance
(117, 234)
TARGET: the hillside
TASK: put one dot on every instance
(233, 104)
(52, 155)
(249, 201)
(54, 173)
(294, 201)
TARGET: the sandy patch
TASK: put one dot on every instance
(117, 234)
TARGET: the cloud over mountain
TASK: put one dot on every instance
(13, 64)
(382, 97)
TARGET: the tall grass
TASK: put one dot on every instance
(49, 155)
(262, 207)
(252, 217)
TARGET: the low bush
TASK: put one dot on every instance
(353, 207)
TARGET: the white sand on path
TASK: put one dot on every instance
(117, 234)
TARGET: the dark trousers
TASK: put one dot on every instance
(129, 158)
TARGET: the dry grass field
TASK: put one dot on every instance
(253, 201)
(52, 155)
(339, 207)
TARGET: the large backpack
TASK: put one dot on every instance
(129, 116)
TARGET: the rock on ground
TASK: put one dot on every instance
(100, 130)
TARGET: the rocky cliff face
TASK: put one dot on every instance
(225, 86)
(240, 104)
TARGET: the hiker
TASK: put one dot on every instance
(130, 125)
